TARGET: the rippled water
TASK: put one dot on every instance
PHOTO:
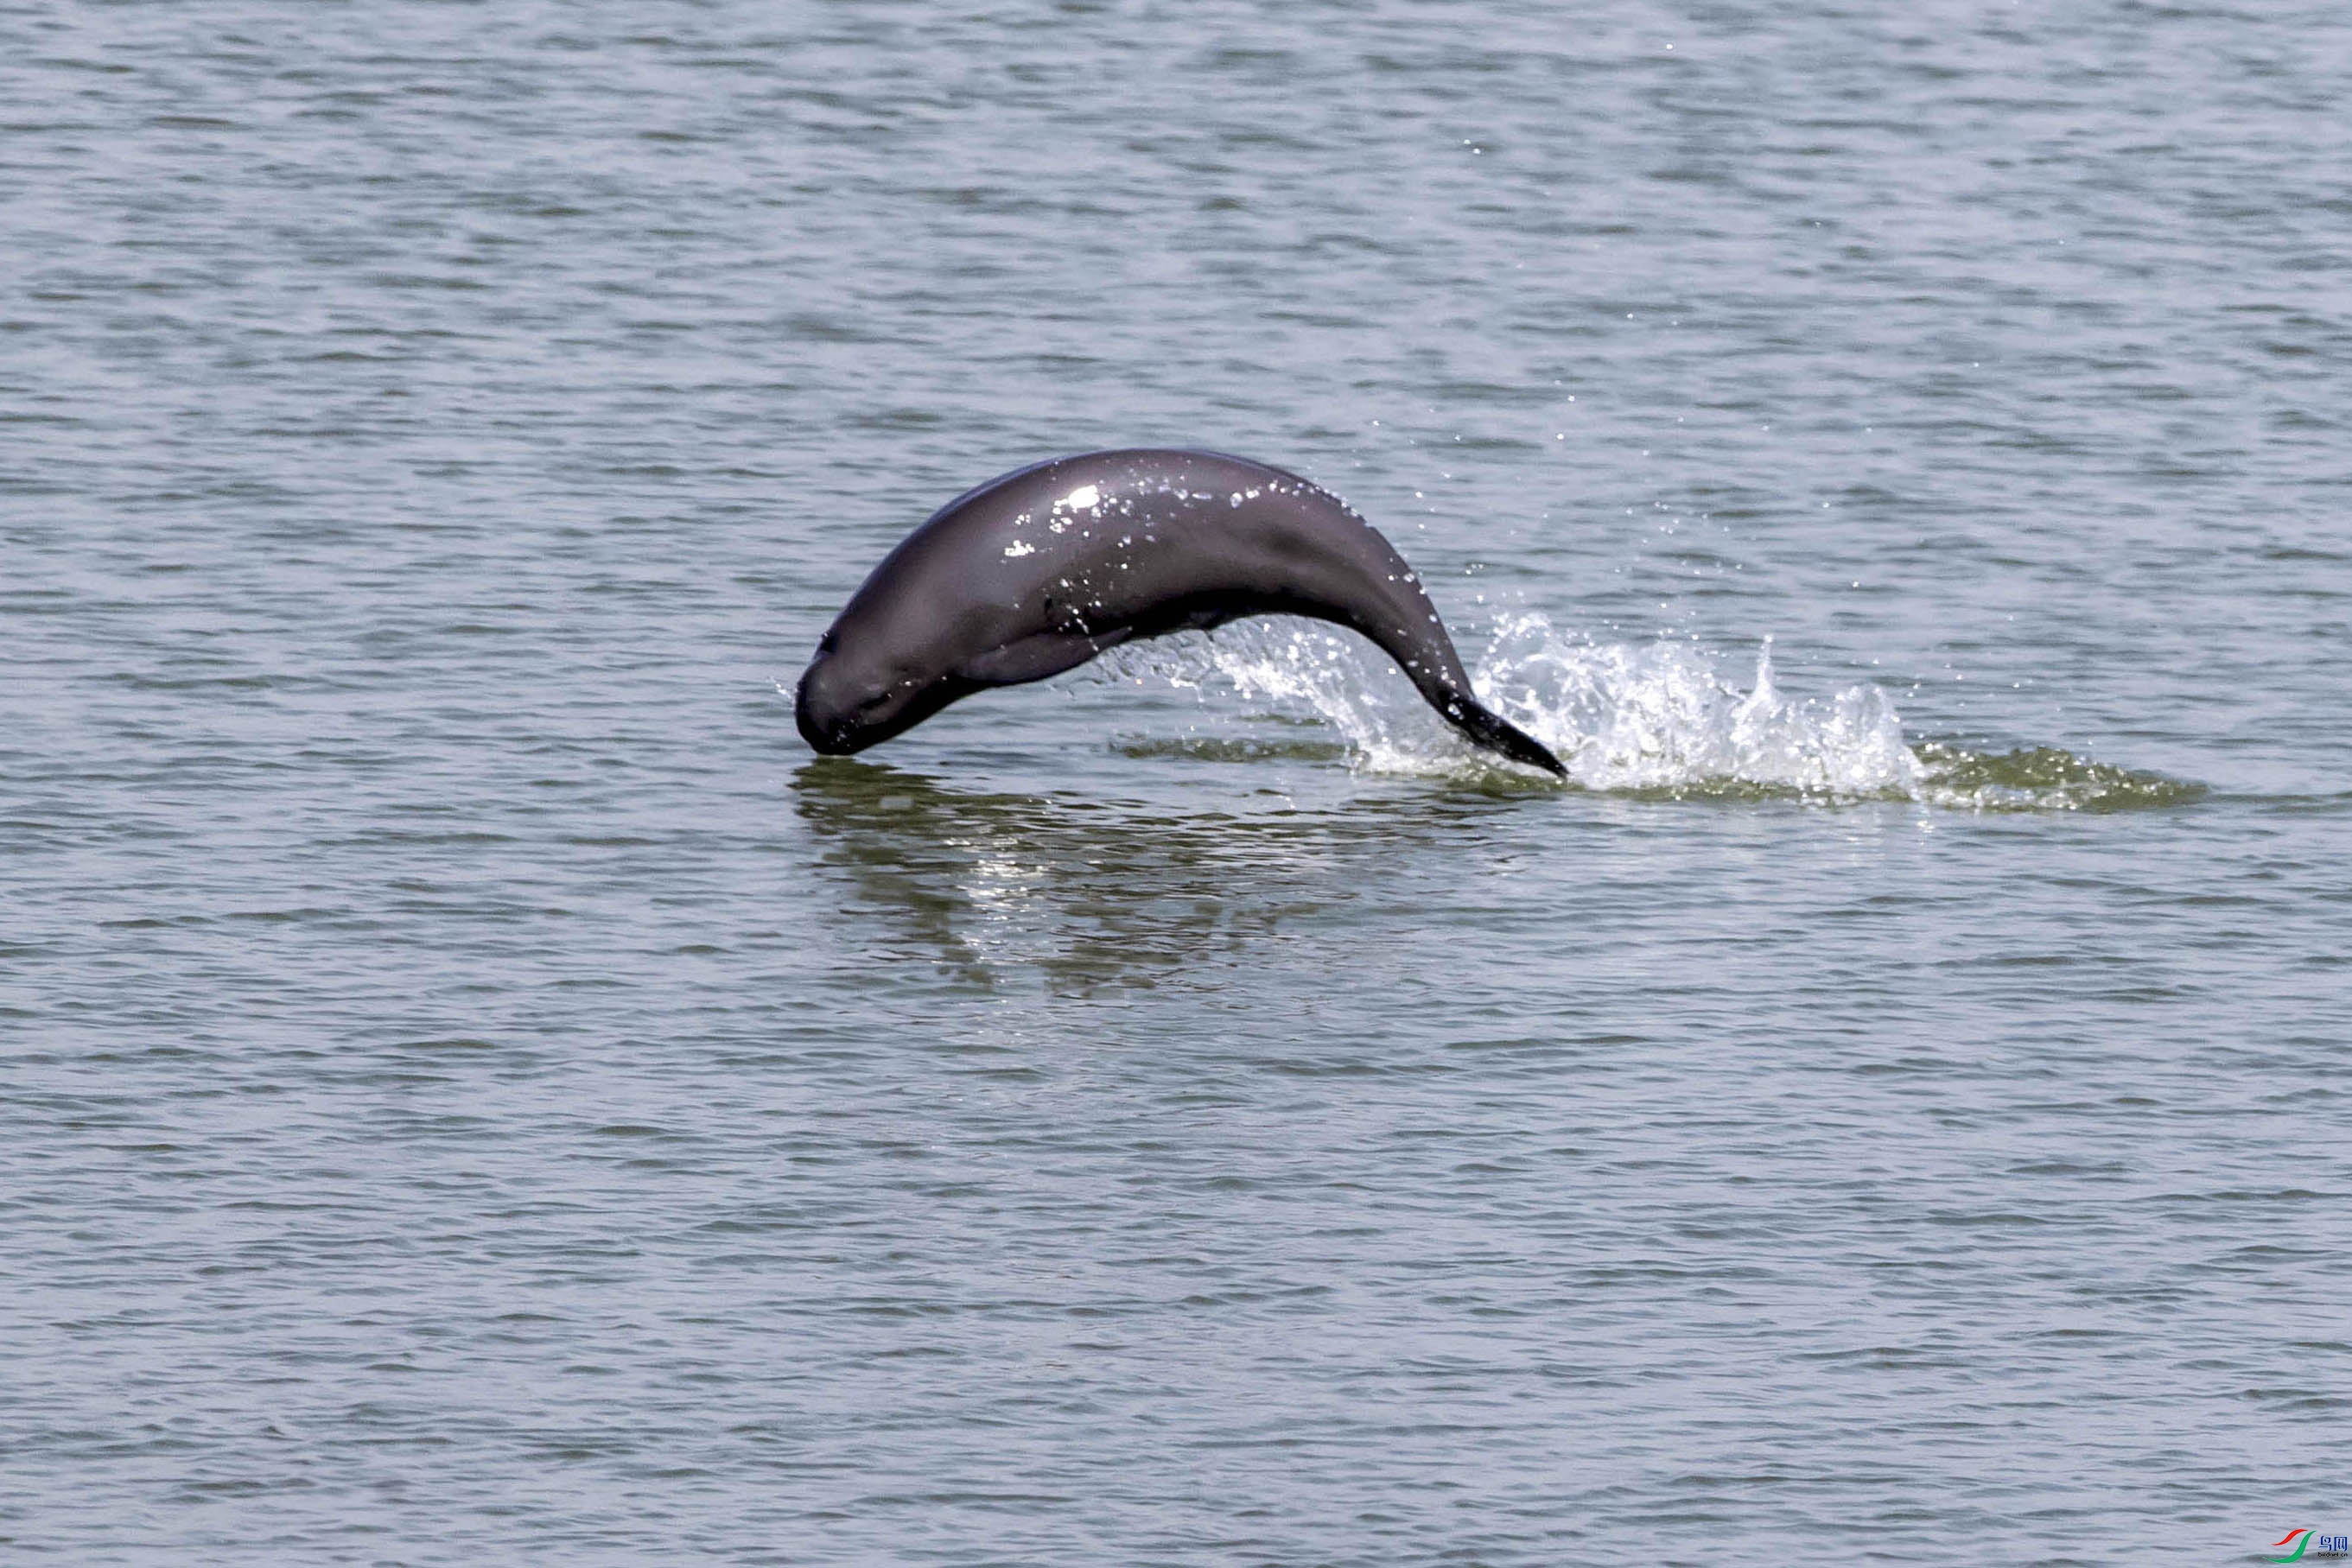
(477, 1090)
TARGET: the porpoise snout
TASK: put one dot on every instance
(826, 722)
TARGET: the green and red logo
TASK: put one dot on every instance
(2318, 1546)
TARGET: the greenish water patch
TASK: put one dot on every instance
(2041, 778)
(1953, 777)
(1737, 790)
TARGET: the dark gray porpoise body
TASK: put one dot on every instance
(1039, 570)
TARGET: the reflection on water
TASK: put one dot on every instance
(1094, 893)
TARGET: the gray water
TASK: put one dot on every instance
(477, 1090)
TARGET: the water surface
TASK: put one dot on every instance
(477, 1090)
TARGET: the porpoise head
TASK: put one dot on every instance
(889, 660)
(835, 699)
(858, 692)
(892, 657)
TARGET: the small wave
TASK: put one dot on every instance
(1664, 720)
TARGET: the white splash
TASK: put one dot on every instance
(1662, 716)
(1082, 497)
(1666, 716)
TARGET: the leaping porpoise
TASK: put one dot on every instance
(1039, 570)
